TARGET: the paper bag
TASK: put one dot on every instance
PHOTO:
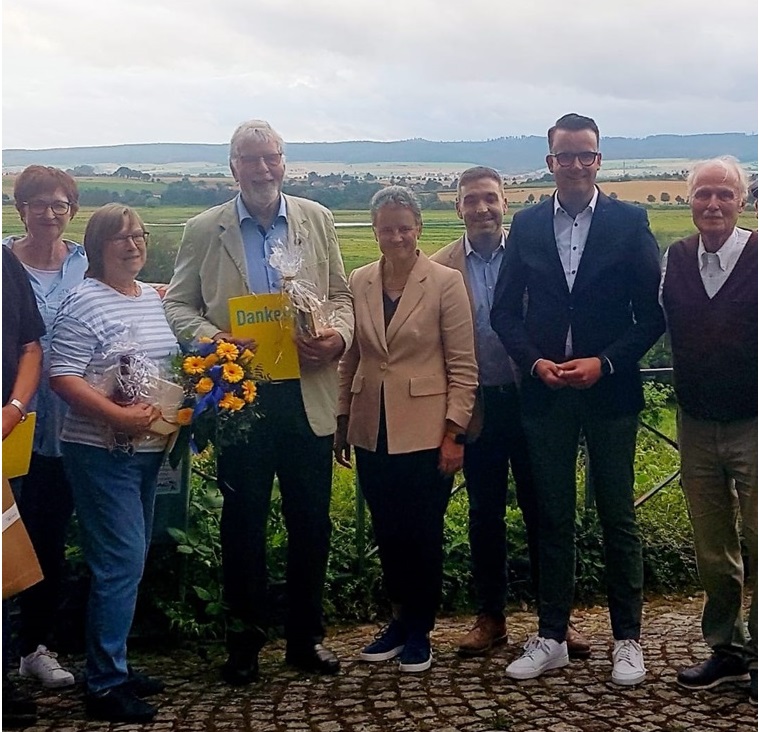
(20, 566)
(168, 397)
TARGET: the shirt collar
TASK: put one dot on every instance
(592, 205)
(724, 253)
(74, 247)
(468, 249)
(243, 213)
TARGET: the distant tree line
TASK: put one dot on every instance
(333, 191)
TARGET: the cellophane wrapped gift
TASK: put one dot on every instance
(133, 378)
(313, 313)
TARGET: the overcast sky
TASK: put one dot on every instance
(101, 72)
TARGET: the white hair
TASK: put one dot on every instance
(731, 168)
(259, 130)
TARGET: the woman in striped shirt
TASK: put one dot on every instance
(114, 481)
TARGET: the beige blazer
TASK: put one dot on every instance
(425, 361)
(210, 268)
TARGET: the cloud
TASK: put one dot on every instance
(91, 72)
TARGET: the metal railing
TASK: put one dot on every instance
(657, 374)
(364, 550)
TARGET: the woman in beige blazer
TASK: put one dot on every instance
(407, 387)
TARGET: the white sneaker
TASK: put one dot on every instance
(540, 654)
(628, 663)
(43, 666)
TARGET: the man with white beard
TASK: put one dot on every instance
(225, 253)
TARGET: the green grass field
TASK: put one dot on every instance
(668, 223)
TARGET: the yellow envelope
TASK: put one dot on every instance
(267, 319)
(17, 448)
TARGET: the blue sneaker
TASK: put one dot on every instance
(387, 644)
(417, 654)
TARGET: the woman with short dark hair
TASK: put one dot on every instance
(46, 200)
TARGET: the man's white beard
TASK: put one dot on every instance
(263, 195)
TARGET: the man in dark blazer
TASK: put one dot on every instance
(576, 306)
(495, 439)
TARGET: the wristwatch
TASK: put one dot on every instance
(458, 437)
(605, 365)
(20, 406)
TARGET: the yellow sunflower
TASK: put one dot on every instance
(232, 373)
(184, 416)
(193, 365)
(227, 351)
(204, 385)
(231, 402)
(249, 390)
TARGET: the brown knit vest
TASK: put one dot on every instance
(714, 342)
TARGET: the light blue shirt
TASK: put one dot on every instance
(258, 243)
(50, 293)
(492, 359)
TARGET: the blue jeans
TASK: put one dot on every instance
(114, 496)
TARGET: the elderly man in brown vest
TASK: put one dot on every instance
(709, 294)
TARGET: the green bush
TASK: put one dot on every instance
(185, 586)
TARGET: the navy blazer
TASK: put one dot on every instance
(613, 307)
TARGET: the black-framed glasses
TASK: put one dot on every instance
(271, 160)
(138, 237)
(565, 159)
(59, 208)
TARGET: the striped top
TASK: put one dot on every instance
(91, 323)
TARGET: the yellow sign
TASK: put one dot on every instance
(268, 320)
(17, 448)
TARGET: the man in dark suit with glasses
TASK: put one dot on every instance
(576, 308)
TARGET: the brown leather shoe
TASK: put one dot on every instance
(577, 645)
(486, 633)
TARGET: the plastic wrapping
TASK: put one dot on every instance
(131, 378)
(312, 312)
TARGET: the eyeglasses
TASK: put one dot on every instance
(140, 237)
(271, 160)
(59, 208)
(565, 159)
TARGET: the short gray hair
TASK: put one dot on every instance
(731, 167)
(258, 129)
(398, 196)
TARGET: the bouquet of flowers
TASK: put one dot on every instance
(219, 379)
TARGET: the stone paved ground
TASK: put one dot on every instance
(456, 695)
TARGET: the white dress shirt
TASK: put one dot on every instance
(715, 267)
(571, 234)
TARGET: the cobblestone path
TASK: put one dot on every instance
(456, 695)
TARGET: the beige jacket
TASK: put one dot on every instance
(210, 269)
(425, 361)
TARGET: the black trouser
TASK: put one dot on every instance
(502, 443)
(282, 444)
(45, 504)
(407, 498)
(553, 438)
